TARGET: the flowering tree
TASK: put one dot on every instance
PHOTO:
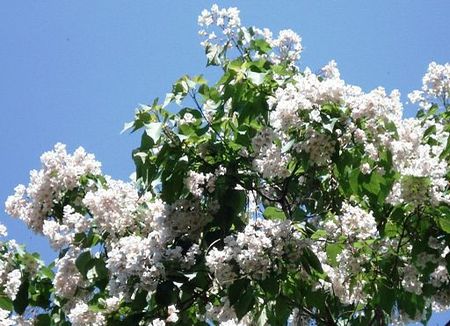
(274, 194)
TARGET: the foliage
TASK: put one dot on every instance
(274, 194)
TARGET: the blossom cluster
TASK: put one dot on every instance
(260, 249)
(277, 175)
(16, 267)
(60, 173)
(435, 85)
(423, 171)
(353, 224)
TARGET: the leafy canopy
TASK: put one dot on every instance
(274, 194)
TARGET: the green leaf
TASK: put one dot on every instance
(153, 130)
(166, 293)
(273, 213)
(333, 250)
(319, 234)
(288, 146)
(353, 179)
(430, 130)
(256, 77)
(127, 126)
(140, 300)
(42, 320)
(236, 289)
(386, 297)
(373, 186)
(444, 223)
(312, 260)
(261, 46)
(282, 310)
(390, 229)
(83, 262)
(6, 303)
(22, 298)
(245, 303)
(270, 285)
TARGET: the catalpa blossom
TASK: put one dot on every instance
(435, 85)
(61, 172)
(61, 234)
(287, 47)
(5, 319)
(319, 146)
(68, 278)
(256, 251)
(195, 182)
(411, 280)
(269, 159)
(331, 70)
(436, 82)
(80, 315)
(355, 224)
(224, 314)
(423, 172)
(3, 230)
(113, 206)
(225, 20)
(135, 256)
(14, 280)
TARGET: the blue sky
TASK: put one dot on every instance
(73, 72)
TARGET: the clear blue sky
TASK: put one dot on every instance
(73, 72)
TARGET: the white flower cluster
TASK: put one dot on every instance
(172, 318)
(255, 252)
(285, 104)
(135, 256)
(80, 315)
(61, 234)
(196, 182)
(376, 108)
(296, 107)
(411, 280)
(187, 118)
(308, 91)
(3, 230)
(60, 173)
(225, 315)
(137, 227)
(113, 206)
(319, 146)
(139, 230)
(440, 276)
(423, 172)
(7, 319)
(10, 273)
(142, 253)
(227, 20)
(14, 279)
(435, 85)
(269, 159)
(286, 48)
(355, 224)
(67, 278)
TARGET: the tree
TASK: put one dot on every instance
(274, 194)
